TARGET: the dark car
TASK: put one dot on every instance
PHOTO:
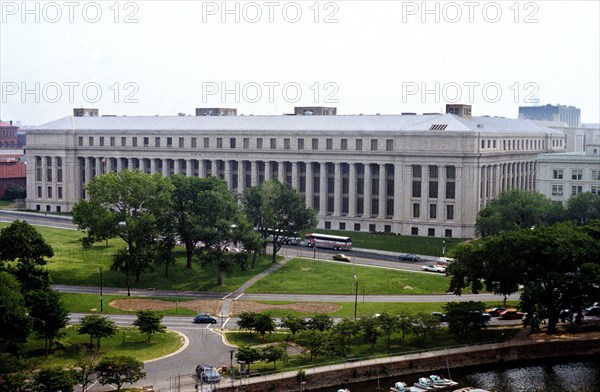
(410, 257)
(208, 373)
(341, 257)
(440, 315)
(484, 315)
(205, 318)
(593, 311)
(495, 312)
(511, 314)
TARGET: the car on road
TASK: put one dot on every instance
(434, 268)
(593, 310)
(208, 374)
(511, 314)
(495, 312)
(484, 315)
(440, 315)
(410, 257)
(341, 257)
(205, 318)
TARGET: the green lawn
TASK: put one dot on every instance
(320, 277)
(74, 265)
(127, 341)
(431, 246)
(90, 303)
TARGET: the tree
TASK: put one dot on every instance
(97, 327)
(264, 323)
(85, 367)
(149, 323)
(248, 354)
(129, 205)
(278, 210)
(370, 329)
(424, 325)
(14, 322)
(22, 242)
(55, 379)
(120, 370)
(344, 330)
(274, 353)
(465, 317)
(14, 191)
(49, 315)
(583, 207)
(247, 320)
(320, 322)
(388, 325)
(404, 324)
(316, 342)
(517, 209)
(548, 261)
(293, 323)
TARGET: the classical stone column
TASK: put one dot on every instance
(268, 171)
(201, 168)
(322, 188)
(189, 167)
(337, 190)
(352, 190)
(241, 176)
(228, 174)
(177, 166)
(367, 191)
(309, 184)
(165, 167)
(214, 171)
(253, 173)
(295, 176)
(281, 171)
(399, 187)
(152, 165)
(382, 192)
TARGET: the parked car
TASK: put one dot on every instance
(341, 257)
(593, 310)
(208, 374)
(485, 315)
(434, 268)
(495, 312)
(410, 257)
(205, 318)
(511, 314)
(440, 315)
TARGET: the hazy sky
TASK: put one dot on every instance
(265, 57)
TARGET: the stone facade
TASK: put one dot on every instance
(413, 175)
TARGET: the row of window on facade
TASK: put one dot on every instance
(59, 192)
(558, 190)
(518, 144)
(219, 142)
(576, 174)
(387, 229)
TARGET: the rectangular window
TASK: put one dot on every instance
(146, 141)
(433, 189)
(450, 212)
(557, 190)
(48, 169)
(359, 146)
(344, 144)
(157, 142)
(134, 141)
(123, 141)
(181, 143)
(59, 192)
(246, 142)
(416, 171)
(389, 145)
(49, 192)
(91, 141)
(448, 233)
(576, 189)
(81, 140)
(595, 189)
(194, 143)
(450, 189)
(342, 226)
(433, 211)
(357, 227)
(273, 143)
(329, 144)
(374, 145)
(112, 141)
(416, 188)
(219, 142)
(431, 232)
(595, 175)
(557, 174)
(39, 192)
(59, 169)
(414, 231)
(300, 144)
(286, 143)
(38, 168)
(169, 142)
(206, 142)
(416, 210)
(232, 142)
(576, 174)
(101, 141)
(315, 144)
(259, 143)
(433, 171)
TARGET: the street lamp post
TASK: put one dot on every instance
(443, 248)
(231, 366)
(355, 296)
(101, 309)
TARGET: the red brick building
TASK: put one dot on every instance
(12, 173)
(8, 135)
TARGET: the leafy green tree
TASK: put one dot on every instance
(55, 379)
(517, 209)
(425, 325)
(274, 353)
(85, 367)
(320, 322)
(14, 191)
(22, 242)
(120, 370)
(14, 322)
(278, 210)
(465, 317)
(12, 376)
(293, 323)
(316, 342)
(369, 328)
(264, 323)
(249, 355)
(149, 323)
(49, 315)
(343, 332)
(129, 205)
(404, 321)
(247, 320)
(583, 207)
(97, 327)
(388, 325)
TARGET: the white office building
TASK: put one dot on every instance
(426, 175)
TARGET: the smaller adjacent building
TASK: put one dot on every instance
(8, 135)
(569, 115)
(12, 173)
(563, 175)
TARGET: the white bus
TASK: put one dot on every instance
(328, 241)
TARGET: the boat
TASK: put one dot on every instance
(471, 389)
(400, 386)
(343, 390)
(435, 383)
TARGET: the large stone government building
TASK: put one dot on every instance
(425, 175)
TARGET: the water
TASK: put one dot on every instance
(548, 376)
